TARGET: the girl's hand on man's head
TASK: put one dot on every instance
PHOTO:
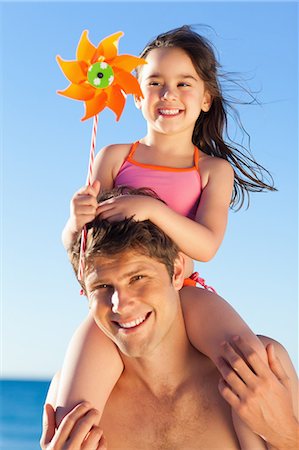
(140, 207)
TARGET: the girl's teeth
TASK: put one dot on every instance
(133, 323)
(169, 112)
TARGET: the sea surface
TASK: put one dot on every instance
(21, 406)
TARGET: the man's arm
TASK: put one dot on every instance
(264, 396)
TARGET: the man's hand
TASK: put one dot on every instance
(83, 208)
(79, 430)
(140, 207)
(259, 393)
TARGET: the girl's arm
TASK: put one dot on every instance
(199, 239)
(83, 206)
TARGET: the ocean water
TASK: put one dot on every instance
(21, 406)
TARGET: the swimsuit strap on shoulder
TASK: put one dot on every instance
(132, 149)
(196, 157)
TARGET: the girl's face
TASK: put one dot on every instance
(174, 94)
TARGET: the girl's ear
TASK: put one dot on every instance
(137, 101)
(178, 272)
(207, 102)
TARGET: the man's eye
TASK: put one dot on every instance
(104, 286)
(154, 83)
(137, 278)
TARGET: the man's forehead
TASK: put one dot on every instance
(123, 265)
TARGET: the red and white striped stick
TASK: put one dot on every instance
(88, 183)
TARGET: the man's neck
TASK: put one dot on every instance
(167, 367)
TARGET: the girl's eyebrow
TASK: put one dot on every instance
(180, 76)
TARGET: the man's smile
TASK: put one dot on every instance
(132, 324)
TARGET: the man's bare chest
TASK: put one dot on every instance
(187, 421)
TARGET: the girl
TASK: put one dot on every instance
(186, 161)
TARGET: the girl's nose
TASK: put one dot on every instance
(168, 93)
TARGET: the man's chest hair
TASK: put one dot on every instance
(173, 422)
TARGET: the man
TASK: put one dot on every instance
(169, 395)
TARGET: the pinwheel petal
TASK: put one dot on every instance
(108, 47)
(116, 101)
(73, 70)
(128, 83)
(85, 49)
(78, 92)
(95, 106)
(127, 62)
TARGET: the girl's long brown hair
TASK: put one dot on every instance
(210, 132)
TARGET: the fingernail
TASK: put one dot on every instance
(236, 338)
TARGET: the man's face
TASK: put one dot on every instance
(133, 300)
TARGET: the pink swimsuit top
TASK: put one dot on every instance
(179, 188)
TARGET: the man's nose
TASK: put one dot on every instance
(120, 300)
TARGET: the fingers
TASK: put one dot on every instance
(75, 426)
(83, 427)
(95, 440)
(276, 366)
(251, 356)
(228, 394)
(238, 368)
(96, 185)
(91, 189)
(113, 210)
(48, 425)
(83, 206)
(231, 377)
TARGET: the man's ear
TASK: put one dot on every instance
(207, 101)
(179, 272)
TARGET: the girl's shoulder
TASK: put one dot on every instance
(111, 157)
(108, 162)
(114, 151)
(212, 167)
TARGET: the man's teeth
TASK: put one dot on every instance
(133, 323)
(169, 112)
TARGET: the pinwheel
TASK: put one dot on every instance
(100, 78)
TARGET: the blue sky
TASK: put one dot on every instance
(45, 155)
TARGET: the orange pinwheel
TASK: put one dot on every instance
(99, 76)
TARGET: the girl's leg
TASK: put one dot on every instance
(91, 368)
(210, 320)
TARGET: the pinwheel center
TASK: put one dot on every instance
(100, 75)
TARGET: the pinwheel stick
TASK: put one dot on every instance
(88, 183)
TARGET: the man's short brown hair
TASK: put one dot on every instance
(109, 239)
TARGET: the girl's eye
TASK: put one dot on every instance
(183, 84)
(154, 83)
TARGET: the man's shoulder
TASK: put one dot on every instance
(283, 356)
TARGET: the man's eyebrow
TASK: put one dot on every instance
(96, 277)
